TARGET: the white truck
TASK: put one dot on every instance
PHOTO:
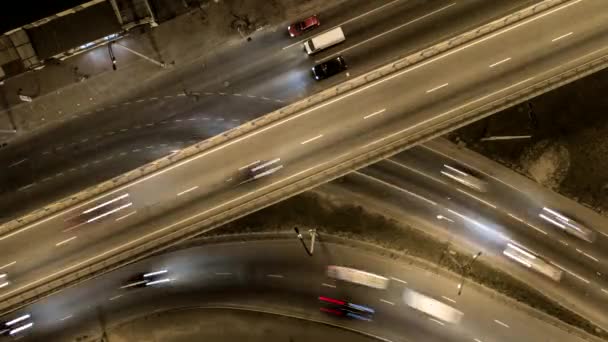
(324, 40)
(431, 307)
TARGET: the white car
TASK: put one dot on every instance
(464, 178)
(569, 225)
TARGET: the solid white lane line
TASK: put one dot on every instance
(528, 224)
(116, 297)
(188, 190)
(328, 285)
(386, 301)
(448, 298)
(436, 88)
(570, 272)
(311, 139)
(587, 255)
(66, 317)
(413, 194)
(17, 163)
(477, 198)
(501, 323)
(500, 62)
(399, 280)
(562, 36)
(437, 321)
(8, 265)
(343, 23)
(127, 215)
(65, 241)
(416, 171)
(389, 31)
(374, 113)
(274, 276)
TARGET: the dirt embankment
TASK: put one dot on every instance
(568, 149)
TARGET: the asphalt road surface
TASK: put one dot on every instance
(279, 276)
(236, 85)
(203, 186)
(411, 187)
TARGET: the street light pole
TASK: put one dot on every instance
(313, 234)
(466, 269)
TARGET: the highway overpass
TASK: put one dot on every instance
(341, 129)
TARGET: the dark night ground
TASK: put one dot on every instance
(574, 116)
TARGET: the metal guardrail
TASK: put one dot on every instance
(397, 144)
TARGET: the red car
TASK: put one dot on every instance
(303, 26)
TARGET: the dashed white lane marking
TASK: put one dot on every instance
(603, 290)
(449, 299)
(328, 285)
(251, 96)
(477, 340)
(124, 129)
(274, 276)
(188, 190)
(84, 140)
(72, 169)
(500, 62)
(223, 94)
(177, 120)
(65, 241)
(126, 103)
(168, 96)
(437, 88)
(154, 98)
(8, 265)
(265, 98)
(192, 119)
(529, 224)
(386, 301)
(96, 161)
(311, 139)
(149, 146)
(140, 100)
(223, 273)
(45, 152)
(151, 124)
(477, 198)
(125, 216)
(136, 150)
(116, 297)
(399, 280)
(587, 255)
(237, 94)
(561, 37)
(279, 101)
(26, 187)
(66, 317)
(220, 119)
(437, 321)
(17, 163)
(374, 113)
(502, 323)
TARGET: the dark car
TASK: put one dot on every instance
(303, 26)
(259, 169)
(329, 68)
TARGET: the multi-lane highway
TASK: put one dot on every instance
(237, 84)
(411, 188)
(202, 186)
(279, 276)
